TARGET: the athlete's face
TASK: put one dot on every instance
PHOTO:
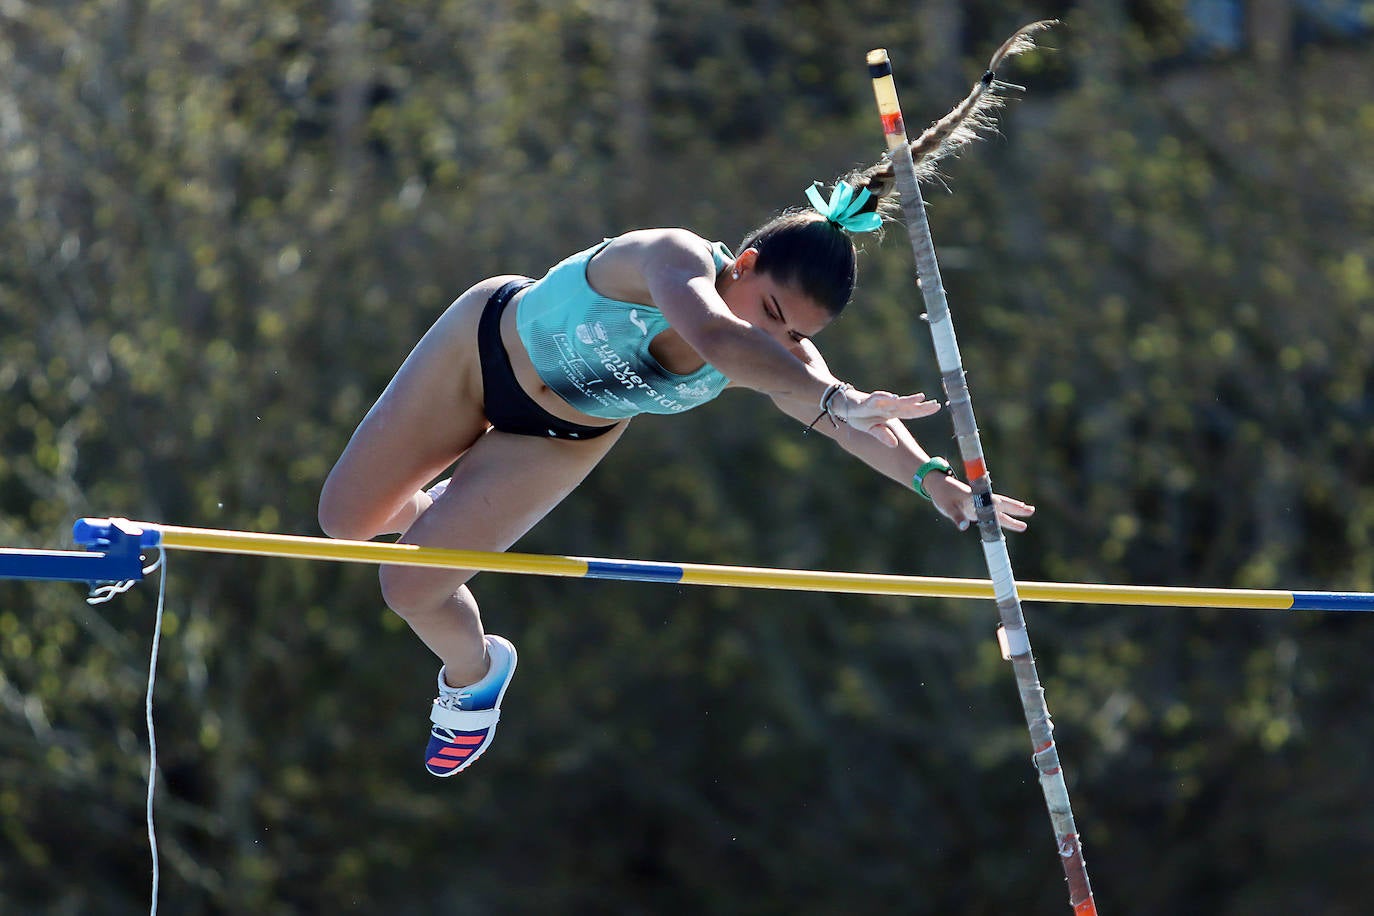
(785, 313)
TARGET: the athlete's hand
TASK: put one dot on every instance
(870, 412)
(954, 499)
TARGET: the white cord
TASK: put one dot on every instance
(152, 740)
(100, 595)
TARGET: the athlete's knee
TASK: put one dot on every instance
(395, 590)
(413, 591)
(334, 522)
(340, 520)
(344, 510)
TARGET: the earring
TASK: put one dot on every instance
(735, 275)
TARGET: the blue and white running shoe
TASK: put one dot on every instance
(464, 720)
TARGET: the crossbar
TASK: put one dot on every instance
(100, 532)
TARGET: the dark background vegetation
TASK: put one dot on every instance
(223, 223)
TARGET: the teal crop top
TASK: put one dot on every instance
(593, 352)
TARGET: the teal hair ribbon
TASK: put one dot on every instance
(843, 207)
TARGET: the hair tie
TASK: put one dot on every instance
(843, 207)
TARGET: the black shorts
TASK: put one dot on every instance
(507, 406)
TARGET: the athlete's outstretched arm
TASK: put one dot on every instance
(950, 495)
(680, 276)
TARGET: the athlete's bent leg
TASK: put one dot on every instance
(500, 489)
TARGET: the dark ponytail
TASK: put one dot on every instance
(814, 254)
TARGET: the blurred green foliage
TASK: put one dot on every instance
(223, 224)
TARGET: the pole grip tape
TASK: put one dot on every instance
(1014, 641)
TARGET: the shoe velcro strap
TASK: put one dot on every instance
(464, 720)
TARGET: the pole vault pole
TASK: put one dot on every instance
(1012, 632)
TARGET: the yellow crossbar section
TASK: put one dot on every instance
(311, 548)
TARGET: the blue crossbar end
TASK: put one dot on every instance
(119, 558)
(107, 532)
(1332, 601)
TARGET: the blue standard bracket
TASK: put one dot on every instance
(116, 557)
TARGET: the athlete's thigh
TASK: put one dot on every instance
(429, 414)
(501, 488)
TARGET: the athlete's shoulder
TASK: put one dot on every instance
(659, 243)
(634, 262)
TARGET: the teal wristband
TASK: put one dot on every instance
(933, 464)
